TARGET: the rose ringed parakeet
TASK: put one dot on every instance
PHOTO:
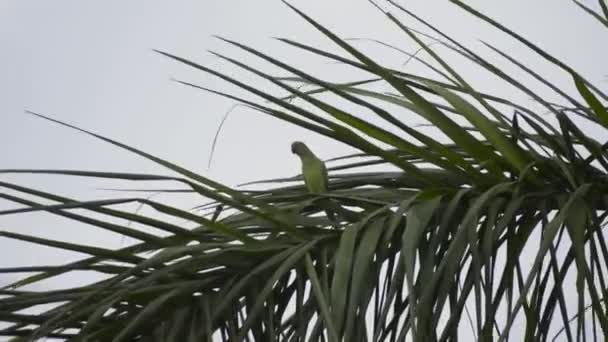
(313, 168)
(316, 180)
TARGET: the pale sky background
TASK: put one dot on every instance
(91, 63)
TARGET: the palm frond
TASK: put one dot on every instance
(494, 230)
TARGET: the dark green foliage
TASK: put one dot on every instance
(437, 250)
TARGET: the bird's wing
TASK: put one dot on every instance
(315, 175)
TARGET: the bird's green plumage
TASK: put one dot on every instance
(313, 168)
(316, 180)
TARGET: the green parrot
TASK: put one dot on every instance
(316, 180)
(313, 168)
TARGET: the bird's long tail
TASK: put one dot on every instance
(336, 213)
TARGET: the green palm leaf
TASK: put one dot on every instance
(494, 230)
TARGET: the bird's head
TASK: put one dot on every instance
(299, 148)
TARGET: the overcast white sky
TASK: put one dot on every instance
(91, 63)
